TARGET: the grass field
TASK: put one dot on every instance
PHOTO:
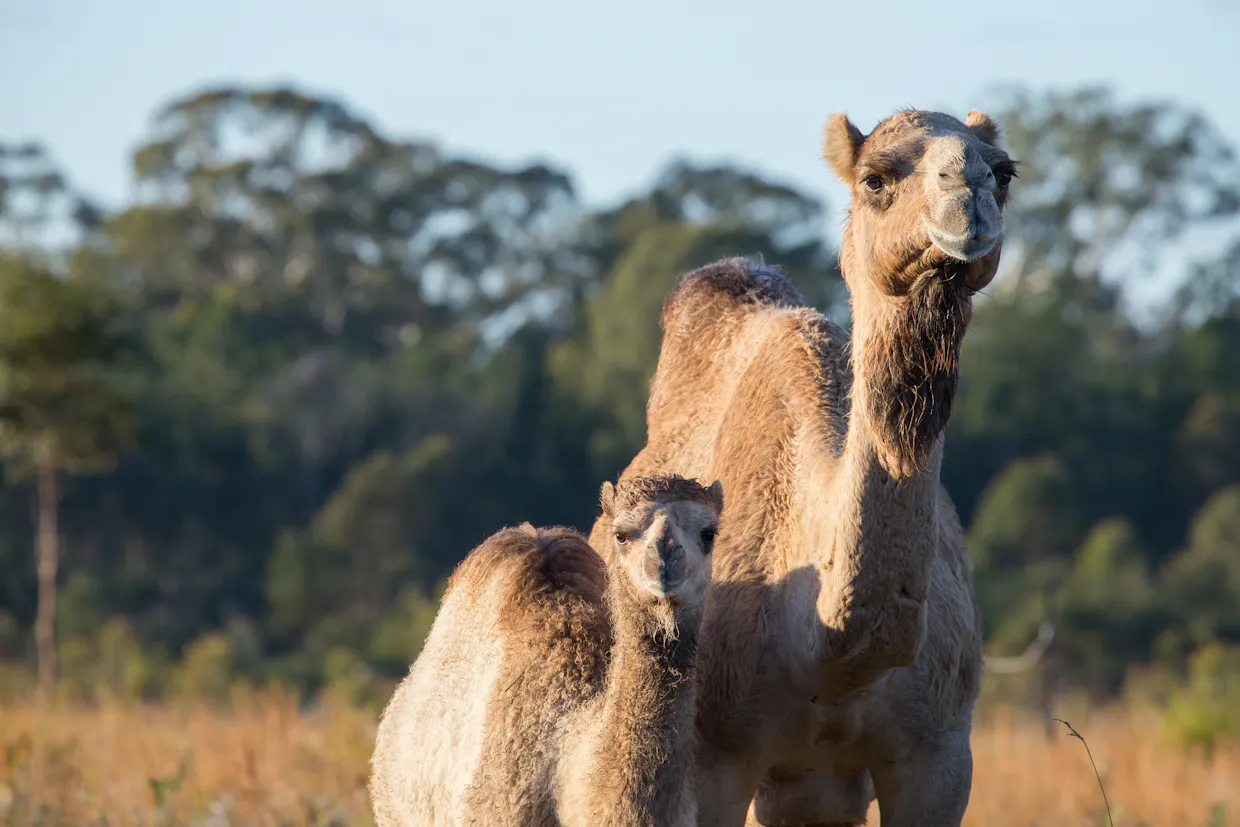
(265, 762)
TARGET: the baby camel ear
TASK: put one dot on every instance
(716, 493)
(607, 499)
(984, 127)
(842, 146)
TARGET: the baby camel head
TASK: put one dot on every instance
(663, 530)
(927, 195)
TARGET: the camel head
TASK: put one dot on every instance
(927, 197)
(663, 530)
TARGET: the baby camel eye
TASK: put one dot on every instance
(708, 539)
(622, 539)
(873, 183)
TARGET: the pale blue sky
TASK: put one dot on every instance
(610, 90)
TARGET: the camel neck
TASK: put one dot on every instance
(905, 359)
(647, 705)
(880, 520)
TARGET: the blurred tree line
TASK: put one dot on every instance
(250, 421)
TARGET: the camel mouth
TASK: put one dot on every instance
(961, 247)
(661, 592)
(677, 594)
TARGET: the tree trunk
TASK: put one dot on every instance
(49, 565)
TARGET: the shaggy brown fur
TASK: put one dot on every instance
(576, 704)
(658, 488)
(840, 655)
(915, 373)
(555, 634)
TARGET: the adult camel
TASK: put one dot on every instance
(841, 650)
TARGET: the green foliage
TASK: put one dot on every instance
(400, 633)
(10, 636)
(610, 366)
(1208, 444)
(1202, 582)
(1023, 531)
(1205, 709)
(1108, 604)
(80, 610)
(347, 675)
(207, 669)
(59, 342)
(1218, 815)
(1025, 514)
(110, 662)
(367, 540)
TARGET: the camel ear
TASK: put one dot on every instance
(716, 493)
(842, 146)
(984, 127)
(607, 499)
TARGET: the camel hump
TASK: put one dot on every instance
(730, 284)
(532, 566)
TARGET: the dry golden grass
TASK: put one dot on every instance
(265, 762)
(261, 762)
(1020, 777)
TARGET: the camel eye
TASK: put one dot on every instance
(622, 539)
(873, 183)
(1004, 174)
(708, 540)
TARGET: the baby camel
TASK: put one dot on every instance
(556, 689)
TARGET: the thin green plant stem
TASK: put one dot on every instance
(1081, 738)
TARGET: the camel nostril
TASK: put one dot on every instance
(665, 567)
(672, 573)
(949, 180)
(652, 568)
(981, 235)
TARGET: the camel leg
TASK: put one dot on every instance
(929, 787)
(823, 796)
(725, 786)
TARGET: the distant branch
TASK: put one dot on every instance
(1025, 660)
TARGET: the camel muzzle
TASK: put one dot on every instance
(665, 566)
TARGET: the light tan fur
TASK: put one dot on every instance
(841, 651)
(555, 689)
